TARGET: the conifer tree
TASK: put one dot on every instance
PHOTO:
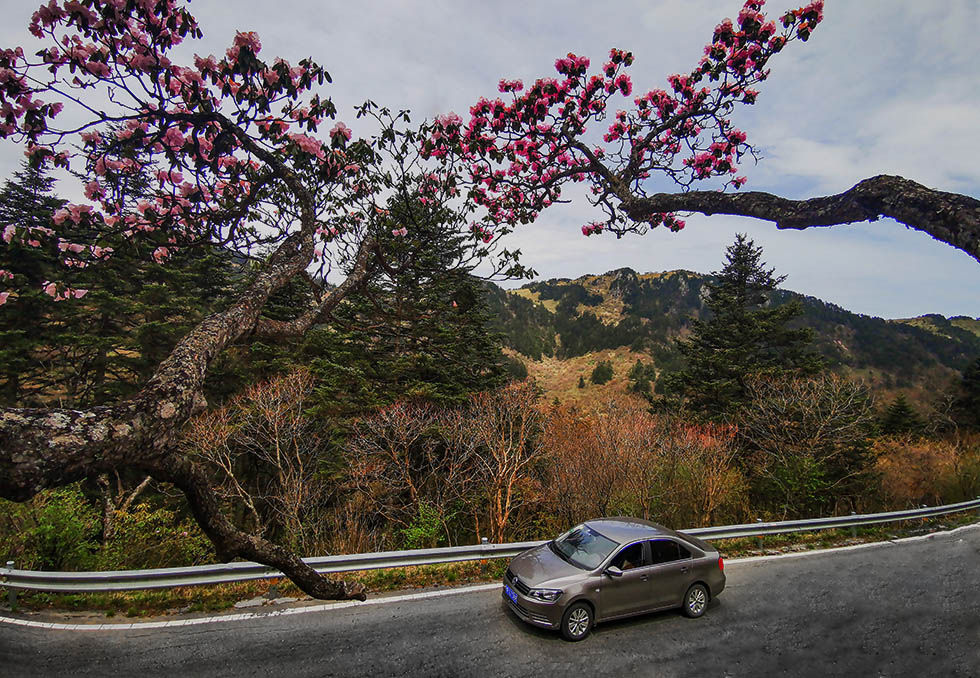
(26, 200)
(602, 372)
(100, 348)
(744, 334)
(901, 418)
(967, 403)
(419, 329)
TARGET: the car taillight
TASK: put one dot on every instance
(721, 563)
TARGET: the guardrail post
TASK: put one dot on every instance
(483, 541)
(11, 592)
(758, 540)
(978, 508)
(854, 529)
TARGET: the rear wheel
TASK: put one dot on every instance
(576, 622)
(695, 601)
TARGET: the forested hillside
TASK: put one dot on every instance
(568, 320)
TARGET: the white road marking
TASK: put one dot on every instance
(247, 615)
(408, 596)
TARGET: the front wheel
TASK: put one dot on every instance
(576, 622)
(695, 601)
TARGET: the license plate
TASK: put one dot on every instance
(510, 593)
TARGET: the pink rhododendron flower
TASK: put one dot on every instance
(94, 191)
(340, 130)
(400, 232)
(9, 232)
(3, 297)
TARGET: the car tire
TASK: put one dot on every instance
(695, 601)
(577, 622)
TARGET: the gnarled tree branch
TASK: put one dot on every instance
(359, 275)
(949, 217)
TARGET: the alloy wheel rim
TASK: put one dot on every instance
(697, 601)
(578, 621)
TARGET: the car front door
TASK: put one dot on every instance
(629, 593)
(671, 572)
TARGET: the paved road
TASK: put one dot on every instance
(901, 609)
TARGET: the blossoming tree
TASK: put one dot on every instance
(524, 148)
(230, 149)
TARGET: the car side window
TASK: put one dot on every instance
(629, 557)
(664, 551)
(684, 553)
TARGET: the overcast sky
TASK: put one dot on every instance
(883, 86)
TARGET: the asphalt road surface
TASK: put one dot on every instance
(908, 608)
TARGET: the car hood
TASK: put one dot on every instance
(540, 566)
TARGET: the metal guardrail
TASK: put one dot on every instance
(128, 580)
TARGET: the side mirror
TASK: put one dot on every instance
(614, 571)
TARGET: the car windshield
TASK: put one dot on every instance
(583, 547)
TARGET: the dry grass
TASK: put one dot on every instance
(559, 378)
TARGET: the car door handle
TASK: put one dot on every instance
(684, 569)
(643, 578)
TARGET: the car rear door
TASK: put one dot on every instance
(671, 572)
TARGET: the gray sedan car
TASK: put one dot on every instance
(608, 569)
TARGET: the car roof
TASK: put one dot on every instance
(624, 528)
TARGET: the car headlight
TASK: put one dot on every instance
(547, 595)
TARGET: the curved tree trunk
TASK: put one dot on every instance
(46, 448)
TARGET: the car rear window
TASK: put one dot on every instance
(667, 550)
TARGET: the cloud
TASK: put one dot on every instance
(882, 86)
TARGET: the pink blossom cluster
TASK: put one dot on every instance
(61, 292)
(521, 151)
(481, 232)
(175, 127)
(340, 131)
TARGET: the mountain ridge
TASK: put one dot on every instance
(571, 319)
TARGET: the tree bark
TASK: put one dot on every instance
(230, 542)
(949, 217)
(46, 448)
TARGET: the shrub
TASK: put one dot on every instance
(57, 530)
(602, 373)
(149, 538)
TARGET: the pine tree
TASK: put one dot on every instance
(967, 403)
(602, 372)
(419, 329)
(25, 328)
(97, 349)
(744, 334)
(901, 418)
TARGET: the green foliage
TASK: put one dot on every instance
(99, 349)
(640, 376)
(967, 402)
(24, 326)
(744, 335)
(419, 329)
(602, 373)
(62, 534)
(515, 368)
(900, 418)
(146, 538)
(425, 530)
